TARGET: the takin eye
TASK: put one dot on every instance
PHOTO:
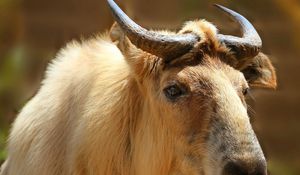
(172, 92)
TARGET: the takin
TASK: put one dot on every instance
(141, 102)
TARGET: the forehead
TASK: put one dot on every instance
(210, 71)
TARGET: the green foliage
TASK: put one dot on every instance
(8, 4)
(3, 136)
(11, 68)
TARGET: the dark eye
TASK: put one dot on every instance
(246, 91)
(172, 92)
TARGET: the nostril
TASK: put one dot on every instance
(242, 168)
(233, 168)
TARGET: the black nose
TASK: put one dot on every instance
(243, 168)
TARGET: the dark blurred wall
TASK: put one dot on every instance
(32, 31)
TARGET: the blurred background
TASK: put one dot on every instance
(32, 31)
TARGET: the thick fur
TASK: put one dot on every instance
(95, 113)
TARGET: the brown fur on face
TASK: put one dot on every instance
(193, 112)
(206, 73)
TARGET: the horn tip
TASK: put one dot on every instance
(110, 1)
(216, 5)
(219, 6)
(225, 9)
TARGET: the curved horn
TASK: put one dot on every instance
(164, 46)
(249, 44)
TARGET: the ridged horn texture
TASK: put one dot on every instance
(249, 44)
(167, 47)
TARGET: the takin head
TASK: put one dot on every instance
(196, 81)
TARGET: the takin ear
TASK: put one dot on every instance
(136, 58)
(259, 72)
(117, 36)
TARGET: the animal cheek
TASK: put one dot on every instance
(200, 126)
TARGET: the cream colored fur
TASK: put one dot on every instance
(83, 117)
(74, 120)
(96, 113)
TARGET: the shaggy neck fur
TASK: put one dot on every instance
(128, 135)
